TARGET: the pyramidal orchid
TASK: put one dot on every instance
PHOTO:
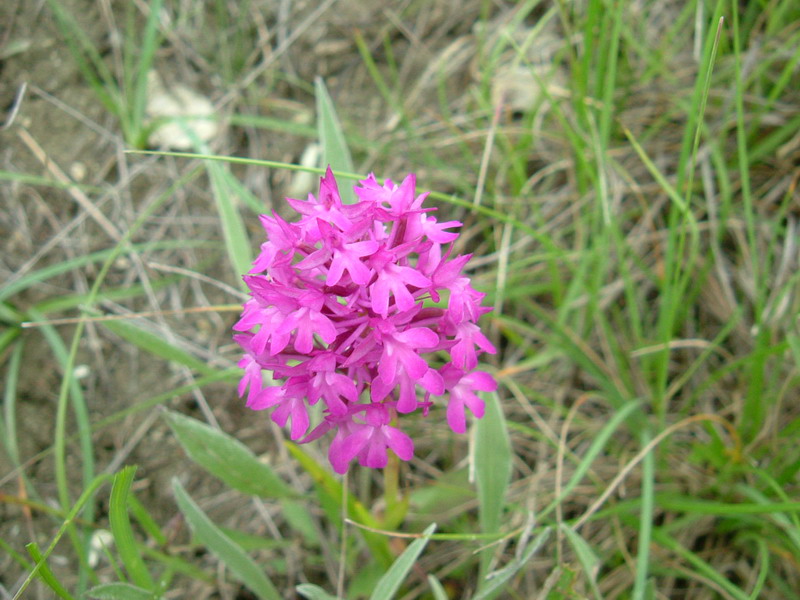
(361, 307)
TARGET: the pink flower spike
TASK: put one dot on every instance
(340, 313)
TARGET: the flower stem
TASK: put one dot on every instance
(343, 547)
(391, 484)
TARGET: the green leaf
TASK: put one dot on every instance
(587, 557)
(7, 337)
(363, 583)
(441, 499)
(689, 504)
(236, 241)
(389, 584)
(44, 181)
(226, 458)
(488, 212)
(646, 518)
(492, 460)
(8, 417)
(334, 145)
(250, 200)
(490, 587)
(172, 565)
(120, 591)
(45, 573)
(241, 566)
(146, 521)
(702, 568)
(122, 531)
(794, 344)
(492, 455)
(250, 542)
(300, 520)
(147, 42)
(313, 592)
(88, 59)
(229, 376)
(439, 593)
(41, 565)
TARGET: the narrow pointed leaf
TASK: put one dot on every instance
(123, 532)
(313, 592)
(226, 458)
(46, 574)
(490, 587)
(492, 464)
(119, 591)
(587, 557)
(389, 584)
(331, 136)
(238, 562)
(233, 229)
(439, 593)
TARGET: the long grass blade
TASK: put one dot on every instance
(646, 515)
(661, 537)
(158, 346)
(390, 583)
(46, 574)
(233, 229)
(492, 585)
(149, 45)
(586, 556)
(9, 416)
(87, 494)
(599, 442)
(492, 457)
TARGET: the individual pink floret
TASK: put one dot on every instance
(367, 438)
(461, 387)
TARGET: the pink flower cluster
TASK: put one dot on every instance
(351, 306)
